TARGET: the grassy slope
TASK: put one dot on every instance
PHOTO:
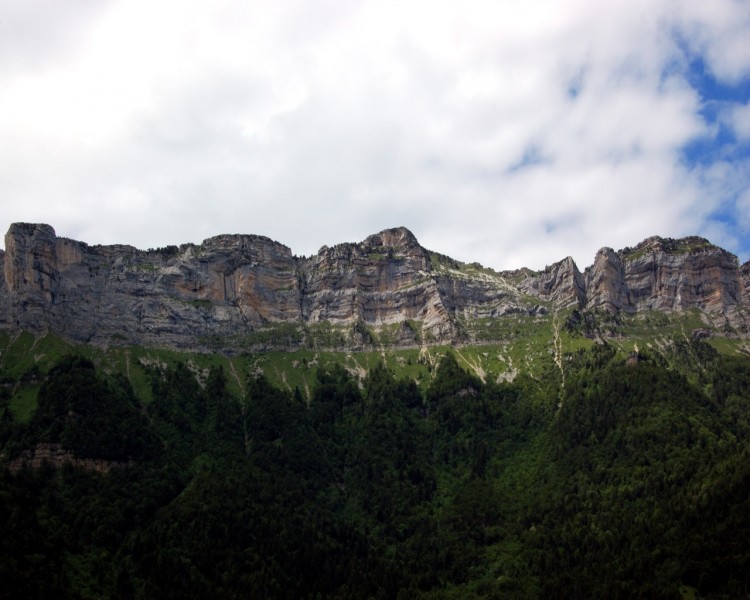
(513, 345)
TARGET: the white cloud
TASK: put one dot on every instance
(717, 31)
(740, 121)
(744, 205)
(512, 133)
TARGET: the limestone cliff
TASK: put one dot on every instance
(384, 280)
(605, 282)
(562, 284)
(745, 283)
(217, 293)
(100, 293)
(665, 274)
(240, 292)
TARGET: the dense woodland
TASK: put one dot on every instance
(628, 481)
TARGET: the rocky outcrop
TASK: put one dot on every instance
(162, 297)
(55, 456)
(220, 292)
(384, 280)
(664, 274)
(605, 282)
(225, 293)
(745, 283)
(4, 296)
(562, 284)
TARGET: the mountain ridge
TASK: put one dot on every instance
(225, 292)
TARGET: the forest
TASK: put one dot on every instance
(629, 479)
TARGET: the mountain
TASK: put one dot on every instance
(247, 292)
(551, 434)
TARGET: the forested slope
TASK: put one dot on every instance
(625, 481)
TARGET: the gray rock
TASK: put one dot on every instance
(223, 293)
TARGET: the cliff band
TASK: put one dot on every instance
(222, 293)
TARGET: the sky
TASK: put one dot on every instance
(508, 132)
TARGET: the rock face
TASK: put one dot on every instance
(163, 297)
(666, 275)
(236, 292)
(55, 456)
(384, 280)
(745, 283)
(562, 284)
(605, 281)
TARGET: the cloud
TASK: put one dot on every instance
(740, 121)
(743, 203)
(505, 132)
(717, 32)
